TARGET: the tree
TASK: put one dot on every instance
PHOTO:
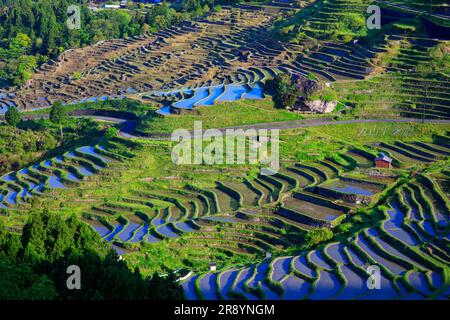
(34, 264)
(19, 42)
(19, 282)
(283, 91)
(25, 69)
(48, 27)
(12, 116)
(58, 116)
(352, 25)
(111, 132)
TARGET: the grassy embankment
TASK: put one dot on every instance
(221, 115)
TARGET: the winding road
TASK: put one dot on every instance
(128, 125)
(127, 129)
(413, 10)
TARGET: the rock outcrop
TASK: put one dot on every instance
(308, 87)
(305, 85)
(320, 106)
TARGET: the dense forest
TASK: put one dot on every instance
(32, 32)
(33, 265)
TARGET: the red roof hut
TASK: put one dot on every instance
(383, 161)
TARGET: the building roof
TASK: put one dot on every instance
(383, 157)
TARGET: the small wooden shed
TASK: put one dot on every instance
(383, 161)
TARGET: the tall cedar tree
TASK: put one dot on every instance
(12, 116)
(58, 116)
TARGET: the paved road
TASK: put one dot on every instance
(414, 10)
(128, 126)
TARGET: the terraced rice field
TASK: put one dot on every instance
(204, 53)
(351, 187)
(223, 57)
(338, 270)
(250, 217)
(244, 210)
(402, 89)
(59, 172)
(207, 96)
(194, 212)
(228, 56)
(405, 153)
(401, 220)
(435, 7)
(409, 245)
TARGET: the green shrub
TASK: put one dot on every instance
(352, 24)
(404, 27)
(76, 75)
(318, 235)
(345, 227)
(111, 132)
(440, 60)
(58, 116)
(19, 147)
